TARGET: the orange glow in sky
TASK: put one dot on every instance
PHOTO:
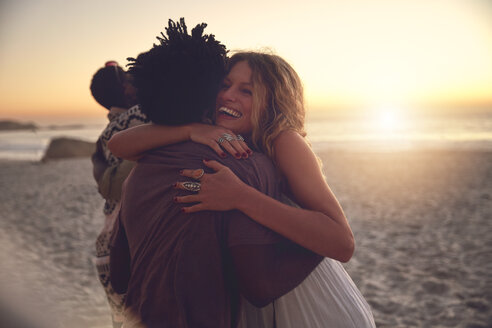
(352, 55)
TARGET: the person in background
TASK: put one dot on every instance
(111, 88)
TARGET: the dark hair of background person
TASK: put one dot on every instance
(177, 80)
(108, 86)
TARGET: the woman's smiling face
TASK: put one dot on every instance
(235, 100)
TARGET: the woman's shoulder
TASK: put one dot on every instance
(291, 149)
(289, 141)
(288, 137)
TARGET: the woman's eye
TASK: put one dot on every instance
(224, 86)
(247, 91)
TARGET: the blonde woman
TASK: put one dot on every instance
(262, 99)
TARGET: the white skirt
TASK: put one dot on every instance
(326, 298)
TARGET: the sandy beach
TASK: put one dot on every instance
(421, 221)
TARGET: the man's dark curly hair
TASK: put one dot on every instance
(108, 86)
(177, 80)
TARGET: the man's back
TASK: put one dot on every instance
(181, 272)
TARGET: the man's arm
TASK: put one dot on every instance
(111, 182)
(109, 178)
(99, 164)
(266, 265)
(266, 272)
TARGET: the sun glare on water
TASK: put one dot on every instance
(389, 120)
(390, 124)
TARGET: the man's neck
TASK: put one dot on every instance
(115, 111)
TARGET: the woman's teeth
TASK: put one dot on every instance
(230, 112)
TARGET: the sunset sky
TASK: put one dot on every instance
(354, 56)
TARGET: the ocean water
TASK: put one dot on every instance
(473, 132)
(324, 132)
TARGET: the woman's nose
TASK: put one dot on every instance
(229, 94)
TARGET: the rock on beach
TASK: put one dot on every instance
(8, 125)
(68, 148)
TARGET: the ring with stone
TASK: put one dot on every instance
(239, 137)
(192, 186)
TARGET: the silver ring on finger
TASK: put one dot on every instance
(192, 186)
(220, 140)
(239, 138)
(202, 172)
(228, 137)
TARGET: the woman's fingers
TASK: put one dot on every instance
(239, 148)
(245, 147)
(216, 166)
(221, 140)
(187, 199)
(195, 174)
(188, 185)
(234, 144)
(227, 145)
(194, 208)
(218, 191)
(216, 147)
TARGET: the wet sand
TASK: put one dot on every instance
(422, 222)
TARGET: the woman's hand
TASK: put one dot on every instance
(219, 191)
(219, 139)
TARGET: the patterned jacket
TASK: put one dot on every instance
(118, 121)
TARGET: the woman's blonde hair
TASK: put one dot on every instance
(278, 99)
